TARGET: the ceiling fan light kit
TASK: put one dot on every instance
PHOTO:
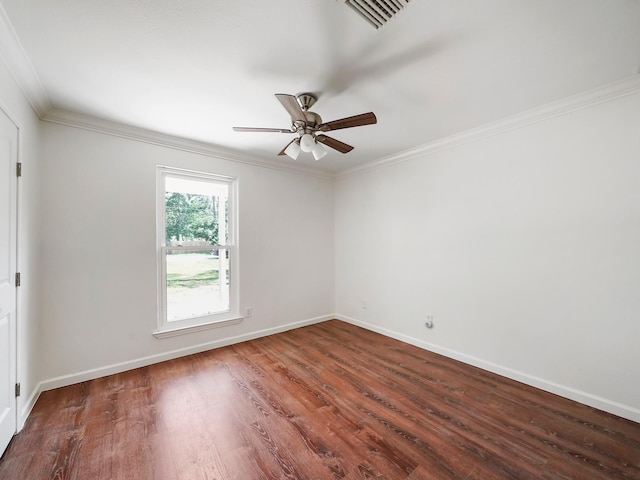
(318, 151)
(307, 142)
(293, 150)
(308, 125)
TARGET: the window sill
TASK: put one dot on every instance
(173, 332)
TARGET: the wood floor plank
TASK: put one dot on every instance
(387, 407)
(328, 401)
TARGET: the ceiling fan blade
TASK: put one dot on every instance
(259, 129)
(333, 143)
(355, 121)
(293, 107)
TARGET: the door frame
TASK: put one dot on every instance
(17, 237)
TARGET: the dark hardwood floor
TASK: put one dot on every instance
(329, 401)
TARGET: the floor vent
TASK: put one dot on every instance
(377, 12)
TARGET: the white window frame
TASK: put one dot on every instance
(232, 316)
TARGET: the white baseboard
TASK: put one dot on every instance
(28, 406)
(83, 376)
(622, 410)
(607, 405)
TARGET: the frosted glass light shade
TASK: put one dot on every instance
(293, 150)
(318, 151)
(307, 143)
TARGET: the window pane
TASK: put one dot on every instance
(196, 212)
(197, 283)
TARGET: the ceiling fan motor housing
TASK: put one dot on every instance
(313, 119)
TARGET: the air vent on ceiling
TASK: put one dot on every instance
(377, 12)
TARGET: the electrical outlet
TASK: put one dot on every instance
(429, 321)
(364, 304)
(248, 311)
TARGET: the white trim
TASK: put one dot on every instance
(612, 91)
(231, 316)
(24, 413)
(610, 406)
(18, 63)
(627, 86)
(14, 314)
(115, 129)
(20, 405)
(85, 375)
(19, 291)
(174, 332)
(15, 58)
(622, 410)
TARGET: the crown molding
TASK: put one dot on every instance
(13, 55)
(609, 92)
(612, 91)
(98, 125)
(15, 58)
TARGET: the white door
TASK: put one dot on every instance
(8, 239)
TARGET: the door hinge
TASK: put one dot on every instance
(18, 279)
(17, 389)
(19, 169)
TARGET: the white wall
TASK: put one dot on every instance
(99, 265)
(15, 105)
(525, 246)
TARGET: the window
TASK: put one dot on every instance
(197, 252)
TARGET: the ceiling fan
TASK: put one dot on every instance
(310, 128)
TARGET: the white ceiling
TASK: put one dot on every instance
(195, 68)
